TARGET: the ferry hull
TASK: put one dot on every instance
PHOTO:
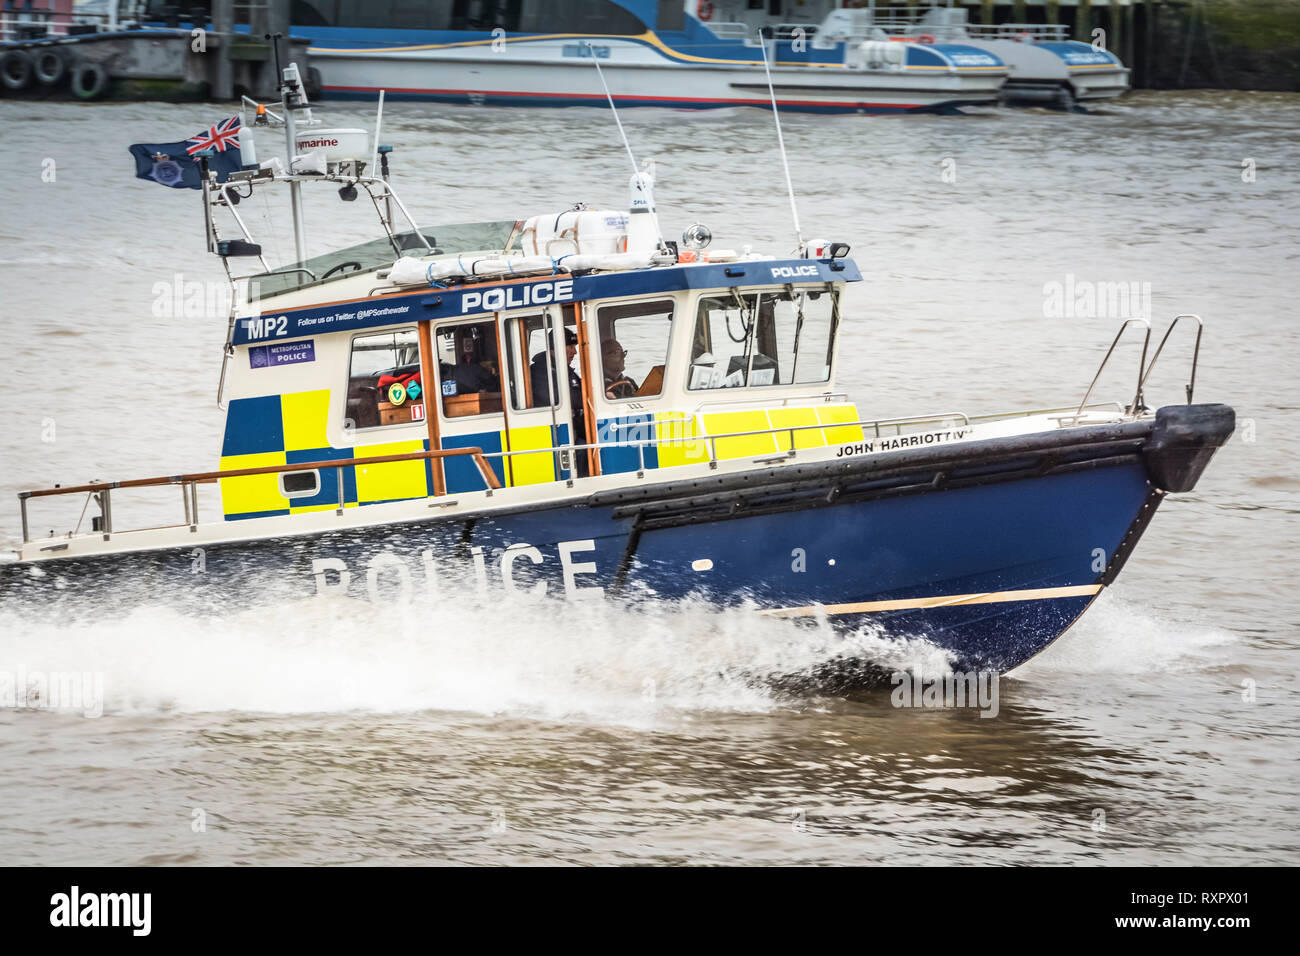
(500, 81)
(989, 550)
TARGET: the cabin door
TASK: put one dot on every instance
(545, 394)
(493, 394)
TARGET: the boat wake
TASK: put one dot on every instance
(510, 654)
(1120, 637)
(541, 658)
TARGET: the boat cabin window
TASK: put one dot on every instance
(469, 373)
(384, 386)
(634, 348)
(526, 353)
(300, 484)
(784, 337)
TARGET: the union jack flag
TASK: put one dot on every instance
(217, 138)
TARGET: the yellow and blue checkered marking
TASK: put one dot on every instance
(290, 429)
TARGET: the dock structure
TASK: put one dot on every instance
(50, 49)
(1168, 44)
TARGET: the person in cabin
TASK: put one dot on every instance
(539, 378)
(618, 384)
(470, 373)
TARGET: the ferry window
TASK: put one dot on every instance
(572, 16)
(672, 16)
(602, 17)
(634, 348)
(769, 338)
(527, 356)
(379, 14)
(384, 386)
(469, 374)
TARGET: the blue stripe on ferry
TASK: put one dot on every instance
(950, 55)
(464, 301)
(673, 47)
(1075, 53)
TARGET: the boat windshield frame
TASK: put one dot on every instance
(488, 236)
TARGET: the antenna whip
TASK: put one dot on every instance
(596, 60)
(789, 185)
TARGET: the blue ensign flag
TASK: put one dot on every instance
(174, 164)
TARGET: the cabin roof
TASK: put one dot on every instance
(435, 303)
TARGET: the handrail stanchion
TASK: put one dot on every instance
(22, 507)
(485, 469)
(185, 500)
(1138, 403)
(1102, 367)
(1196, 352)
(338, 485)
(106, 510)
(194, 505)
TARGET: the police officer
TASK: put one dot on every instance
(618, 384)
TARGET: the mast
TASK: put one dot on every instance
(291, 98)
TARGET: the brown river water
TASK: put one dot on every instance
(1162, 729)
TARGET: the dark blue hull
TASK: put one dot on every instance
(989, 550)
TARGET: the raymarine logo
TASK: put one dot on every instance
(517, 296)
(793, 272)
(310, 143)
(102, 909)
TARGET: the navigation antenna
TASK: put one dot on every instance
(613, 109)
(642, 184)
(763, 34)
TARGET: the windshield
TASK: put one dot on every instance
(453, 239)
(783, 337)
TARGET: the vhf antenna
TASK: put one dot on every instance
(643, 182)
(614, 109)
(763, 34)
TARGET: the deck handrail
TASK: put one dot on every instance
(190, 482)
(1142, 365)
(207, 477)
(1196, 353)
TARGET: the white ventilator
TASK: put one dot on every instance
(643, 236)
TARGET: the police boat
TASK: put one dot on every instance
(571, 406)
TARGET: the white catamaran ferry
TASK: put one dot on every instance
(569, 404)
(680, 54)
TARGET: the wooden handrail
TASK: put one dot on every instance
(204, 477)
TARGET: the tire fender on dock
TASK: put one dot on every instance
(49, 66)
(89, 80)
(15, 69)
